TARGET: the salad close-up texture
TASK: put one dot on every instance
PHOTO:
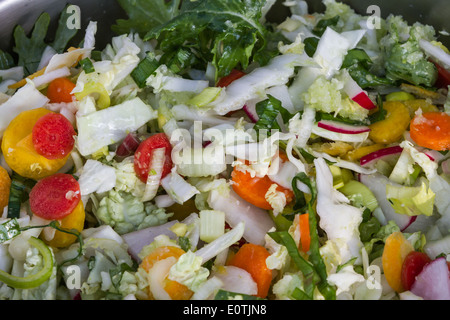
(209, 153)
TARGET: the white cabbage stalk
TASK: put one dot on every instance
(249, 87)
(96, 177)
(108, 126)
(237, 210)
(333, 47)
(237, 280)
(26, 98)
(208, 289)
(215, 247)
(163, 80)
(329, 55)
(303, 127)
(15, 73)
(48, 77)
(343, 163)
(436, 53)
(47, 55)
(154, 175)
(89, 38)
(178, 188)
(182, 112)
(200, 162)
(67, 59)
(338, 218)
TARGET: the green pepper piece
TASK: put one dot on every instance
(36, 279)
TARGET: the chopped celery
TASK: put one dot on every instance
(212, 224)
(359, 195)
(338, 180)
(347, 175)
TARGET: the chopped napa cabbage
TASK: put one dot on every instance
(284, 288)
(200, 162)
(46, 291)
(325, 95)
(164, 80)
(126, 213)
(251, 86)
(126, 178)
(279, 256)
(111, 125)
(188, 270)
(177, 188)
(96, 177)
(276, 199)
(411, 201)
(338, 219)
(349, 19)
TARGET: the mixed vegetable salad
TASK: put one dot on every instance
(208, 153)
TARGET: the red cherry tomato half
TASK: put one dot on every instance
(227, 80)
(53, 136)
(412, 266)
(59, 90)
(144, 153)
(55, 197)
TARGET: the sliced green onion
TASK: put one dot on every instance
(96, 90)
(205, 97)
(359, 194)
(212, 225)
(36, 279)
(9, 230)
(87, 65)
(144, 69)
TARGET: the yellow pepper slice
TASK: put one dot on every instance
(393, 126)
(74, 221)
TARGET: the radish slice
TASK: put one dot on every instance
(340, 127)
(377, 184)
(250, 111)
(377, 155)
(357, 94)
(433, 282)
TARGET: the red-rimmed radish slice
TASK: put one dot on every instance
(340, 127)
(357, 94)
(250, 111)
(379, 154)
(55, 197)
(433, 282)
(128, 146)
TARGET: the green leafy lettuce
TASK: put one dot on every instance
(227, 33)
